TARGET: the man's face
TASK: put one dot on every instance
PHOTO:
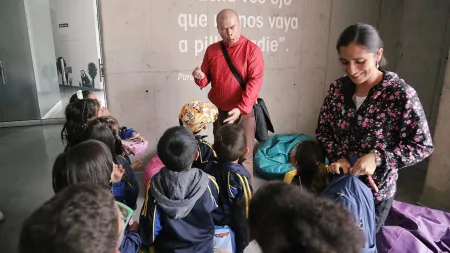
(229, 29)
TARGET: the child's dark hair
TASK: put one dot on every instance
(80, 219)
(90, 161)
(311, 168)
(74, 97)
(230, 143)
(78, 114)
(364, 35)
(177, 148)
(298, 221)
(103, 129)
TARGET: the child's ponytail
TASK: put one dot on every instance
(320, 179)
(311, 169)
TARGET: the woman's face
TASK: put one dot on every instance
(359, 63)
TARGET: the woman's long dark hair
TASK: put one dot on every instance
(90, 161)
(78, 114)
(311, 168)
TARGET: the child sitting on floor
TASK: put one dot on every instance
(124, 132)
(63, 224)
(347, 190)
(234, 182)
(121, 149)
(176, 214)
(285, 218)
(127, 190)
(196, 116)
(78, 114)
(92, 162)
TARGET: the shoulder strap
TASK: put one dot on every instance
(230, 65)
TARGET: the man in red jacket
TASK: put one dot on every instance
(235, 104)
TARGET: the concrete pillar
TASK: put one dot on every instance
(436, 192)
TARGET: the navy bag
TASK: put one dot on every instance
(354, 195)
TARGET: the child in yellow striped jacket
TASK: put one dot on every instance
(234, 183)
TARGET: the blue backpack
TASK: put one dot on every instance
(354, 195)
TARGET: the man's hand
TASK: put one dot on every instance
(198, 73)
(233, 115)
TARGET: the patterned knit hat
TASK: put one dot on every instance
(196, 115)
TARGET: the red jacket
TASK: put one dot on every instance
(226, 93)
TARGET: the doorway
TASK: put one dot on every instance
(53, 49)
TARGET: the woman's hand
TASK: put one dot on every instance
(342, 163)
(365, 165)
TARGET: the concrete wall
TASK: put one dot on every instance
(417, 40)
(148, 68)
(422, 46)
(436, 191)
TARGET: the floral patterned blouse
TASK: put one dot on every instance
(391, 120)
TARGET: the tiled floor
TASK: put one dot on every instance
(26, 159)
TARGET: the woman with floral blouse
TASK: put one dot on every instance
(374, 115)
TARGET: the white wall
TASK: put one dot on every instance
(43, 53)
(77, 43)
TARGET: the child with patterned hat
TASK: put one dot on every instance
(195, 115)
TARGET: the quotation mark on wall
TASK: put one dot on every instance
(282, 39)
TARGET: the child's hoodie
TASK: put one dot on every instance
(176, 215)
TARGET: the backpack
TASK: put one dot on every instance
(357, 198)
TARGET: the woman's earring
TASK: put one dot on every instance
(378, 65)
